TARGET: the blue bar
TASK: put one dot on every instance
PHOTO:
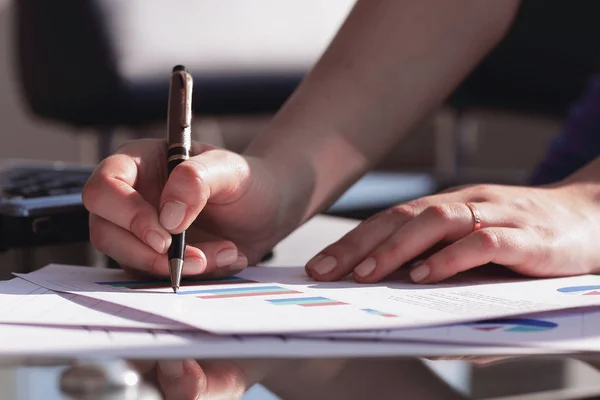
(575, 289)
(254, 289)
(302, 300)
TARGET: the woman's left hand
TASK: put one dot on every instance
(540, 232)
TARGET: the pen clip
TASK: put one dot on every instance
(186, 98)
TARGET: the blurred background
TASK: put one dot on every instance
(77, 77)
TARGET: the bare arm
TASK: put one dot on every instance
(390, 64)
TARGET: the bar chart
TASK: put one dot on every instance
(166, 284)
(379, 313)
(247, 291)
(306, 302)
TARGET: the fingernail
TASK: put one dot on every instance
(156, 241)
(327, 264)
(172, 369)
(365, 267)
(193, 266)
(316, 258)
(172, 214)
(239, 265)
(420, 273)
(226, 257)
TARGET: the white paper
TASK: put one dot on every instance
(524, 330)
(395, 305)
(23, 302)
(575, 330)
(45, 343)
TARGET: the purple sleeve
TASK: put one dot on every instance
(577, 144)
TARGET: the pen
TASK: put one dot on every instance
(179, 121)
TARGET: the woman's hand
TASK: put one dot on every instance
(231, 206)
(540, 232)
(189, 379)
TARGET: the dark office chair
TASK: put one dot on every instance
(100, 64)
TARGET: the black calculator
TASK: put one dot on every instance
(41, 204)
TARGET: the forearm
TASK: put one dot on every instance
(389, 65)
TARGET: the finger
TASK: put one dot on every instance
(439, 222)
(217, 176)
(110, 194)
(222, 258)
(224, 380)
(127, 250)
(510, 247)
(338, 259)
(215, 259)
(214, 380)
(181, 380)
(341, 257)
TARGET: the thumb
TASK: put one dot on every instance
(216, 176)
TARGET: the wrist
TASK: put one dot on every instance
(313, 167)
(291, 180)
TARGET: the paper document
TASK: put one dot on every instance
(24, 302)
(575, 330)
(523, 330)
(271, 300)
(20, 342)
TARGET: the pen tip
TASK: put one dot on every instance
(175, 268)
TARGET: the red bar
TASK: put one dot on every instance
(228, 296)
(333, 303)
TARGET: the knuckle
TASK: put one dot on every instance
(98, 237)
(483, 192)
(440, 212)
(101, 181)
(94, 186)
(446, 259)
(91, 193)
(403, 211)
(238, 169)
(140, 221)
(191, 176)
(524, 204)
(190, 171)
(488, 240)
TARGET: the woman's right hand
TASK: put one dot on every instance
(232, 208)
